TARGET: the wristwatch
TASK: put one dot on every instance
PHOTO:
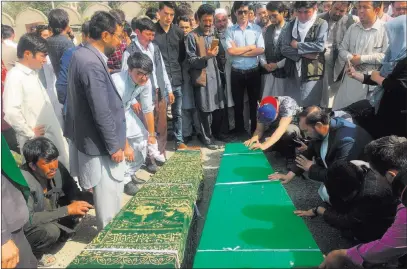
(315, 211)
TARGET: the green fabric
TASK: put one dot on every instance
(257, 259)
(252, 225)
(11, 170)
(151, 230)
(110, 259)
(239, 148)
(250, 167)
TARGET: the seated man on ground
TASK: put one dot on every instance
(133, 84)
(363, 206)
(274, 126)
(331, 140)
(388, 156)
(55, 202)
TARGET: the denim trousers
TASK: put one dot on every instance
(176, 111)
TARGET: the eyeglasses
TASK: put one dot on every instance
(120, 37)
(143, 75)
(242, 12)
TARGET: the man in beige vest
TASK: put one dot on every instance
(9, 48)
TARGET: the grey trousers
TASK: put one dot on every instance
(189, 119)
(27, 259)
(42, 238)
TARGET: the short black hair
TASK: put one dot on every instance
(343, 178)
(39, 147)
(85, 28)
(348, 3)
(376, 4)
(40, 28)
(100, 22)
(31, 42)
(183, 18)
(58, 20)
(317, 116)
(386, 153)
(144, 24)
(306, 111)
(140, 60)
(184, 10)
(238, 4)
(127, 29)
(169, 4)
(252, 7)
(304, 4)
(205, 9)
(151, 12)
(6, 31)
(277, 6)
(119, 15)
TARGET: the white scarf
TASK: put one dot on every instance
(302, 29)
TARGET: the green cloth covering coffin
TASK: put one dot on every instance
(250, 222)
(151, 230)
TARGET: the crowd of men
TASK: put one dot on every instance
(327, 90)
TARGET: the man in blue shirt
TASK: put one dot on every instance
(62, 79)
(244, 42)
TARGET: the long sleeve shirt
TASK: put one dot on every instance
(370, 44)
(391, 246)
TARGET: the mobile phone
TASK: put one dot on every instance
(215, 43)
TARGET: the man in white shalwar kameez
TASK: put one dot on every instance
(134, 86)
(27, 106)
(363, 46)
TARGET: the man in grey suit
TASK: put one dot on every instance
(95, 122)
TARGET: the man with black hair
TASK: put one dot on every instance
(161, 85)
(95, 122)
(170, 39)
(9, 47)
(362, 204)
(55, 201)
(339, 20)
(244, 42)
(272, 61)
(152, 13)
(60, 41)
(27, 106)
(303, 45)
(387, 156)
(43, 30)
(363, 48)
(114, 63)
(251, 14)
(331, 140)
(399, 8)
(133, 86)
(205, 77)
(62, 78)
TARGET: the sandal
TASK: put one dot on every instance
(47, 260)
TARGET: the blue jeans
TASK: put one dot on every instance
(176, 111)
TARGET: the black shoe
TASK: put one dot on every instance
(137, 180)
(151, 166)
(187, 139)
(131, 188)
(210, 145)
(158, 163)
(226, 138)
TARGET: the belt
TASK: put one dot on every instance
(243, 72)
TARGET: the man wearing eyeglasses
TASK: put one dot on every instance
(398, 8)
(244, 42)
(134, 86)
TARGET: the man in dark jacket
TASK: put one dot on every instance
(363, 206)
(332, 140)
(55, 200)
(95, 121)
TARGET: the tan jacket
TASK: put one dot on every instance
(8, 55)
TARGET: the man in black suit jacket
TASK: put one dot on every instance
(332, 140)
(95, 122)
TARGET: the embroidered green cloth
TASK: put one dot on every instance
(151, 230)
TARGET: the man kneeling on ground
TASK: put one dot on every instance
(55, 202)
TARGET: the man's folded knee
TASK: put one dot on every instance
(51, 232)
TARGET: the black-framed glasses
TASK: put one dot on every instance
(143, 75)
(242, 12)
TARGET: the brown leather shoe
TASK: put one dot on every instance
(181, 146)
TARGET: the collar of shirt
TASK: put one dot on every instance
(24, 68)
(237, 26)
(149, 48)
(9, 42)
(160, 29)
(104, 57)
(377, 25)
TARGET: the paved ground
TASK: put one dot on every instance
(303, 193)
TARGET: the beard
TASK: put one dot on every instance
(108, 51)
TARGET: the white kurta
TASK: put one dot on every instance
(27, 105)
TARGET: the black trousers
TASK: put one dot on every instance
(27, 259)
(11, 139)
(250, 81)
(285, 145)
(212, 124)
